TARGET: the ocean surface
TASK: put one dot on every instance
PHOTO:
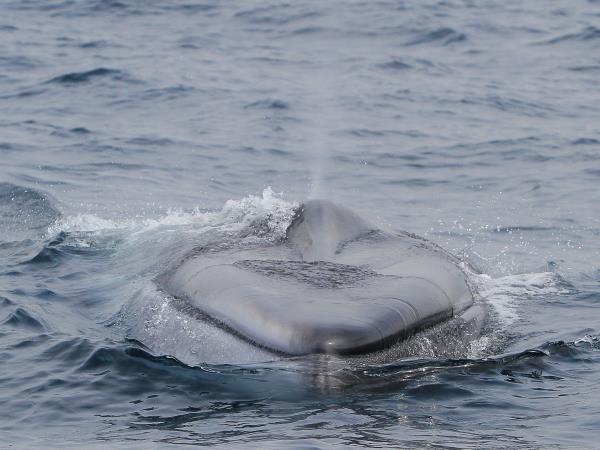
(133, 131)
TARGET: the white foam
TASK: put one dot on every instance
(234, 214)
(83, 222)
(506, 294)
(480, 347)
(271, 206)
(588, 341)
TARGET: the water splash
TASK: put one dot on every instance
(234, 214)
(506, 294)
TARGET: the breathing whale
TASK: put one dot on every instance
(336, 284)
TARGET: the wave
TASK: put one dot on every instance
(24, 212)
(74, 78)
(585, 68)
(590, 33)
(20, 318)
(19, 62)
(95, 44)
(395, 64)
(281, 15)
(166, 94)
(443, 36)
(55, 250)
(267, 104)
(586, 141)
(512, 104)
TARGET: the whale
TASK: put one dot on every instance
(334, 284)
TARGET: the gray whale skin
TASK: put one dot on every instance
(336, 284)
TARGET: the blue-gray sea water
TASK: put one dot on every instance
(132, 131)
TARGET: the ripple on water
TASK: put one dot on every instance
(75, 78)
(441, 36)
(267, 104)
(587, 34)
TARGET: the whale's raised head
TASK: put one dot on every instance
(335, 285)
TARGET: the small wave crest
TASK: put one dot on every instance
(589, 33)
(443, 36)
(73, 78)
(20, 318)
